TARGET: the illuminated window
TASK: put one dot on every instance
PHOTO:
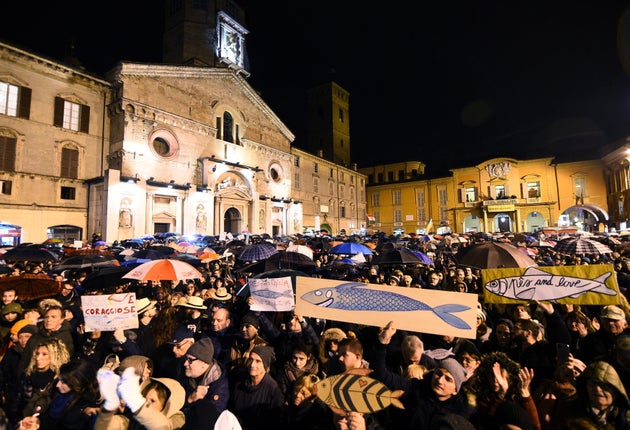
(71, 115)
(8, 99)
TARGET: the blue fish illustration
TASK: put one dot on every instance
(351, 296)
(271, 294)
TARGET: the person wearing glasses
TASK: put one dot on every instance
(206, 384)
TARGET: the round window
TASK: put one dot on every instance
(163, 143)
(275, 172)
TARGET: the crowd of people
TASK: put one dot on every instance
(201, 358)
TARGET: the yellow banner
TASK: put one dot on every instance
(500, 208)
(413, 309)
(594, 284)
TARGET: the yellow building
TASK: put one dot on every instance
(498, 195)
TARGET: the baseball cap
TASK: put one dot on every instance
(180, 334)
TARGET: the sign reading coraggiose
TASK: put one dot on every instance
(594, 284)
(109, 312)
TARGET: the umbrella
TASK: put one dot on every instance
(302, 249)
(350, 248)
(163, 270)
(424, 257)
(542, 244)
(399, 256)
(87, 261)
(257, 251)
(104, 277)
(152, 253)
(31, 286)
(488, 255)
(208, 256)
(290, 260)
(29, 253)
(580, 245)
(189, 258)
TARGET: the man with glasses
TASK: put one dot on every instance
(206, 384)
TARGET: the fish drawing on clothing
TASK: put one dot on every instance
(536, 284)
(354, 391)
(353, 296)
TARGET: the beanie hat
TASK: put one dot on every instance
(250, 319)
(265, 353)
(17, 326)
(202, 350)
(455, 369)
(28, 328)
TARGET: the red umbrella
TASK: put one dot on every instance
(163, 270)
(31, 286)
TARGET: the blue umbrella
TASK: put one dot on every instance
(350, 248)
(257, 252)
(424, 257)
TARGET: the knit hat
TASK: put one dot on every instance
(266, 354)
(28, 328)
(12, 307)
(202, 350)
(455, 369)
(17, 326)
(250, 319)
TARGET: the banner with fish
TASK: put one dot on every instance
(272, 294)
(413, 309)
(594, 284)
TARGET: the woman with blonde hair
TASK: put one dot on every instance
(41, 375)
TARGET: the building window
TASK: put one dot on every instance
(296, 180)
(376, 199)
(68, 193)
(332, 173)
(379, 178)
(533, 190)
(499, 191)
(219, 128)
(316, 185)
(377, 217)
(342, 211)
(342, 191)
(340, 115)
(316, 207)
(331, 189)
(71, 115)
(315, 167)
(421, 214)
(7, 153)
(6, 187)
(579, 187)
(352, 191)
(15, 100)
(390, 176)
(69, 163)
(396, 197)
(296, 161)
(470, 194)
(228, 124)
(397, 216)
(401, 175)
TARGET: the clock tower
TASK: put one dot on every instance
(205, 33)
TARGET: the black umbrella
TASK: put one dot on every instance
(290, 260)
(29, 253)
(87, 261)
(104, 277)
(490, 255)
(397, 256)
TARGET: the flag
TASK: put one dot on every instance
(429, 226)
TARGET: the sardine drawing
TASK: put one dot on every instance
(353, 391)
(271, 294)
(535, 284)
(352, 296)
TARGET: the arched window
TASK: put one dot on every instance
(228, 125)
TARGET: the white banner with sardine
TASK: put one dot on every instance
(271, 294)
(413, 309)
(594, 284)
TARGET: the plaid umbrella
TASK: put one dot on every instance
(257, 251)
(163, 270)
(350, 248)
(31, 286)
(581, 245)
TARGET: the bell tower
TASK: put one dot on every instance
(205, 33)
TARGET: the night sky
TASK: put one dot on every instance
(450, 85)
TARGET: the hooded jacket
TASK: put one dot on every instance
(576, 411)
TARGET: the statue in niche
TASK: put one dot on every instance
(202, 219)
(261, 220)
(125, 216)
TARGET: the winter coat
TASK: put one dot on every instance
(576, 412)
(254, 405)
(64, 334)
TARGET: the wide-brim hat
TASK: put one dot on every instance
(195, 302)
(221, 294)
(144, 304)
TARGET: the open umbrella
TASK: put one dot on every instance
(257, 251)
(29, 253)
(104, 277)
(398, 256)
(163, 270)
(290, 260)
(580, 245)
(488, 255)
(350, 248)
(302, 249)
(87, 261)
(31, 286)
